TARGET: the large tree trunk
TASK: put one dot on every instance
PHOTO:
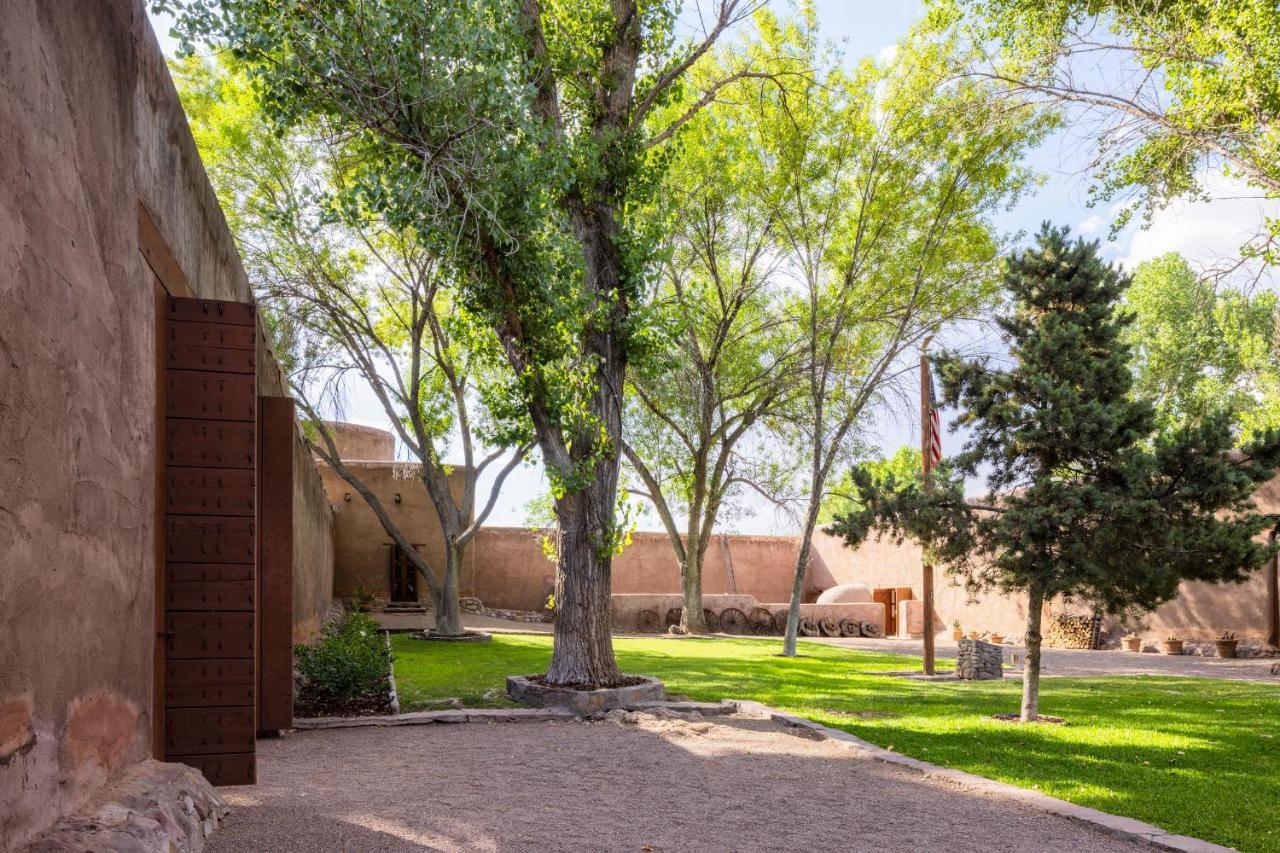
(583, 652)
(1031, 668)
(448, 609)
(691, 618)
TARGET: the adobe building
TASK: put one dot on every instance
(164, 537)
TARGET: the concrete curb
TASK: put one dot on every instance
(1114, 825)
(499, 715)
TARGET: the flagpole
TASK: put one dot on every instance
(926, 464)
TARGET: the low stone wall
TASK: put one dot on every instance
(626, 608)
(979, 661)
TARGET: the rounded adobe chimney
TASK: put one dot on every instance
(358, 443)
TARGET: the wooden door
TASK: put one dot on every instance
(886, 597)
(210, 542)
(404, 582)
(276, 432)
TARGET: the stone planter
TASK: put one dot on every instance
(1171, 647)
(1226, 648)
(1132, 644)
(523, 689)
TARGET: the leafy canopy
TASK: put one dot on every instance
(1086, 498)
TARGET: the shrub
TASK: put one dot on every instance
(348, 660)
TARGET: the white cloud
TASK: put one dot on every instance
(1090, 225)
(1205, 232)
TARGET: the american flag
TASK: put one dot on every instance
(935, 424)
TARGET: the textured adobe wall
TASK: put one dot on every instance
(362, 547)
(90, 126)
(312, 546)
(362, 443)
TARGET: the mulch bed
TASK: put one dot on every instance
(625, 681)
(374, 702)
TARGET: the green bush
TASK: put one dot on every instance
(348, 660)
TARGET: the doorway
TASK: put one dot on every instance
(404, 580)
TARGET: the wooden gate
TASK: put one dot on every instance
(210, 542)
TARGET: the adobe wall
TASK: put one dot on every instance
(313, 546)
(364, 443)
(361, 559)
(89, 126)
(506, 567)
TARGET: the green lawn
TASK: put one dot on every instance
(1194, 756)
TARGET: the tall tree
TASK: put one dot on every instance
(1200, 348)
(348, 297)
(519, 136)
(887, 179)
(727, 355)
(1086, 498)
(1183, 90)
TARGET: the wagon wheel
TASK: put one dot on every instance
(734, 621)
(808, 627)
(709, 616)
(829, 627)
(850, 628)
(761, 621)
(647, 622)
(871, 629)
(780, 622)
(673, 617)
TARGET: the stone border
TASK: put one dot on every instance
(391, 675)
(523, 689)
(1114, 825)
(502, 715)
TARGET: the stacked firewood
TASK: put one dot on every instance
(1066, 631)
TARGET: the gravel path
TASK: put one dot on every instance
(733, 784)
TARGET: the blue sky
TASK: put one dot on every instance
(1201, 231)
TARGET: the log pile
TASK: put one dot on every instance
(1067, 631)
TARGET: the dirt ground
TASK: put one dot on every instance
(723, 784)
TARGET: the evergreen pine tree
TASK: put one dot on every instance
(1086, 499)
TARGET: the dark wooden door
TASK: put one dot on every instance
(276, 432)
(886, 597)
(210, 538)
(404, 583)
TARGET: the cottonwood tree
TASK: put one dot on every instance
(349, 298)
(1200, 348)
(518, 136)
(1183, 92)
(726, 358)
(886, 179)
(1086, 498)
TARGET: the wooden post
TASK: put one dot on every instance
(1273, 597)
(926, 463)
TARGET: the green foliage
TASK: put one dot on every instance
(1143, 747)
(349, 659)
(1199, 350)
(1086, 499)
(902, 467)
(1192, 89)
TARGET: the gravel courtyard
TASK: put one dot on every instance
(723, 784)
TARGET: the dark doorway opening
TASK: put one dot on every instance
(404, 580)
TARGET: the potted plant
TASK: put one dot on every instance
(974, 635)
(1132, 642)
(1226, 644)
(1172, 645)
(996, 638)
(957, 633)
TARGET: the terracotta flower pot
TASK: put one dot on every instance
(1171, 647)
(1132, 644)
(997, 638)
(1226, 648)
(974, 635)
(957, 635)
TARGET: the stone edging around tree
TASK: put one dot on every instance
(1114, 825)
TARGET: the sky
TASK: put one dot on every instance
(1202, 231)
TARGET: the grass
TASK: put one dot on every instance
(1194, 756)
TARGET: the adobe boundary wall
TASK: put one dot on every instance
(92, 133)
